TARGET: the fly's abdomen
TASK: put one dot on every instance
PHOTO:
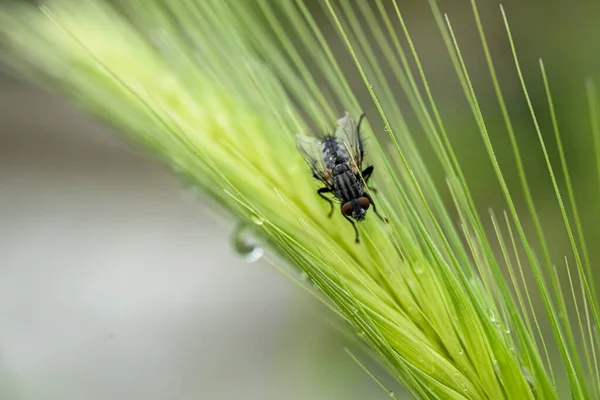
(346, 185)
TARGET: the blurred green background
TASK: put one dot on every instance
(116, 283)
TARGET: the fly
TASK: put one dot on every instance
(336, 160)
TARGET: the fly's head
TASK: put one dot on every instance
(356, 208)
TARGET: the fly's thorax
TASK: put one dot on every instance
(340, 169)
(334, 153)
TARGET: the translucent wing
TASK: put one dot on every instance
(311, 149)
(347, 134)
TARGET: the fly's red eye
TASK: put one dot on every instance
(364, 203)
(347, 209)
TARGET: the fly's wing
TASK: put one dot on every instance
(310, 148)
(349, 137)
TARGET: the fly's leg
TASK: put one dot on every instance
(360, 144)
(354, 226)
(366, 174)
(320, 193)
(384, 219)
(360, 119)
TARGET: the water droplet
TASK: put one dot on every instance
(245, 244)
(303, 276)
(418, 269)
(370, 86)
(361, 333)
(392, 394)
(461, 351)
(496, 367)
(254, 255)
(257, 219)
(507, 330)
(494, 319)
(386, 129)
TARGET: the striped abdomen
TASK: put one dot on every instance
(346, 185)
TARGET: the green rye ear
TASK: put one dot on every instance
(218, 90)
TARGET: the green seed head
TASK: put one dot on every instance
(218, 90)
